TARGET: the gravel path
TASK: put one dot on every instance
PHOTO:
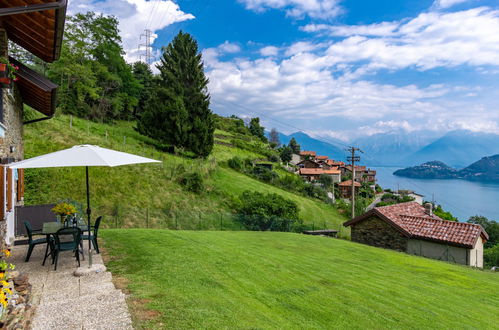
(64, 301)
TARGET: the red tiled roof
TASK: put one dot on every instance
(322, 157)
(334, 162)
(348, 183)
(332, 171)
(411, 219)
(311, 171)
(307, 153)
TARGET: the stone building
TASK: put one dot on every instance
(412, 228)
(37, 26)
(346, 188)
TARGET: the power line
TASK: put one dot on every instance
(352, 159)
(147, 44)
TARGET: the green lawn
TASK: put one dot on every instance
(263, 280)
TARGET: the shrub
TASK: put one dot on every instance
(236, 163)
(491, 256)
(192, 182)
(274, 158)
(264, 174)
(258, 211)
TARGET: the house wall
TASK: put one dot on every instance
(11, 143)
(476, 254)
(376, 232)
(438, 251)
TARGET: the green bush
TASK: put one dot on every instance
(274, 158)
(192, 182)
(236, 163)
(258, 211)
(264, 174)
(491, 256)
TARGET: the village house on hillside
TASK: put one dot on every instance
(346, 188)
(308, 155)
(37, 26)
(414, 229)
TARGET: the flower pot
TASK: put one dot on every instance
(3, 71)
(5, 82)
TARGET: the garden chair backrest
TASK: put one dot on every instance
(97, 225)
(68, 235)
(29, 230)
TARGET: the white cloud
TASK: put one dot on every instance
(443, 4)
(228, 47)
(134, 16)
(428, 41)
(269, 51)
(321, 9)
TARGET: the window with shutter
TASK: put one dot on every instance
(20, 184)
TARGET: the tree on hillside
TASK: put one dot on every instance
(294, 146)
(286, 154)
(256, 129)
(490, 226)
(145, 77)
(185, 87)
(95, 80)
(274, 137)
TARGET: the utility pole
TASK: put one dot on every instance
(352, 159)
(147, 44)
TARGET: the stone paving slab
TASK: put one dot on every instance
(64, 301)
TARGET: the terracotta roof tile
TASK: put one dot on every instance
(311, 171)
(412, 219)
(307, 153)
(348, 183)
(322, 157)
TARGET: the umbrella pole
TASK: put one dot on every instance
(89, 211)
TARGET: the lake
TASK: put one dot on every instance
(460, 197)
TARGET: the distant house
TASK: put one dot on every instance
(295, 159)
(307, 163)
(332, 162)
(346, 188)
(321, 159)
(414, 229)
(369, 176)
(311, 174)
(334, 172)
(307, 154)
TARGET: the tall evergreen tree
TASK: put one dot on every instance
(182, 74)
(256, 129)
(294, 146)
(274, 137)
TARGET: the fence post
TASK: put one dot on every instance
(71, 121)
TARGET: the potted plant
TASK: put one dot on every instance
(63, 210)
(7, 73)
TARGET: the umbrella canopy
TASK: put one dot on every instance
(83, 155)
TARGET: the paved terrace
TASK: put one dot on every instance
(64, 301)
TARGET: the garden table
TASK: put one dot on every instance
(50, 228)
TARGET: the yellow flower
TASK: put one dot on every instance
(2, 274)
(7, 252)
(8, 290)
(4, 283)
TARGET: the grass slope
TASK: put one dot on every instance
(140, 195)
(220, 280)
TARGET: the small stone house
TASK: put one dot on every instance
(308, 163)
(412, 228)
(308, 154)
(37, 26)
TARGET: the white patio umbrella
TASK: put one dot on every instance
(83, 155)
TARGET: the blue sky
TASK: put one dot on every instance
(335, 68)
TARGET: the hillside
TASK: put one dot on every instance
(149, 195)
(486, 169)
(428, 170)
(264, 280)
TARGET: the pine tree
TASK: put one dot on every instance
(256, 129)
(274, 137)
(182, 73)
(294, 146)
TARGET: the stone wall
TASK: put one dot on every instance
(376, 232)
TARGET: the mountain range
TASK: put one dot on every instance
(486, 169)
(400, 148)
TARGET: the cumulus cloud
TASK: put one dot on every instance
(134, 16)
(320, 9)
(430, 40)
(269, 51)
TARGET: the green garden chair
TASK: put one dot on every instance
(65, 239)
(93, 234)
(32, 242)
